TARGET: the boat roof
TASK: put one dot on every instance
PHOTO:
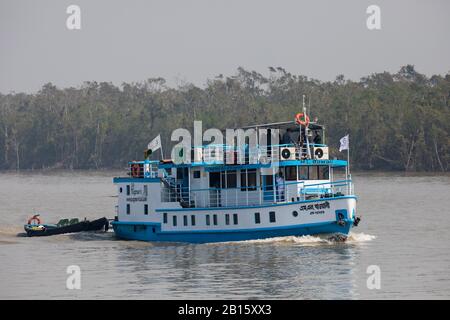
(284, 125)
(166, 164)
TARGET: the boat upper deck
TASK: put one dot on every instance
(245, 173)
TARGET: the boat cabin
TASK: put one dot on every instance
(302, 171)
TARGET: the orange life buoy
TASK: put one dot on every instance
(35, 219)
(302, 119)
(135, 170)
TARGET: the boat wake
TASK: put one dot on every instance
(360, 237)
(10, 230)
(92, 236)
(314, 240)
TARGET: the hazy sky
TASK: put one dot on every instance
(192, 40)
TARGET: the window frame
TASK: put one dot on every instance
(272, 217)
(315, 171)
(290, 177)
(321, 170)
(257, 218)
(299, 173)
(245, 174)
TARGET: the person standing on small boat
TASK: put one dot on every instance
(280, 187)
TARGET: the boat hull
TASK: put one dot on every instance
(336, 218)
(149, 232)
(95, 225)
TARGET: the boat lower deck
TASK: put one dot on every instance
(149, 232)
(321, 216)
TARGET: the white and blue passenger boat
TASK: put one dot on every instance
(303, 193)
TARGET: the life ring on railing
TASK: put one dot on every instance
(35, 219)
(135, 170)
(302, 119)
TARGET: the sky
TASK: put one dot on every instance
(195, 40)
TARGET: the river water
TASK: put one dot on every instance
(404, 231)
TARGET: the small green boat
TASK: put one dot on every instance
(34, 227)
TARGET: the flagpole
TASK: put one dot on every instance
(345, 144)
(348, 155)
(348, 165)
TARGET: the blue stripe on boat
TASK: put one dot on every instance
(152, 232)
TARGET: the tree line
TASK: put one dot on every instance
(396, 121)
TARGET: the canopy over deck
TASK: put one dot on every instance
(283, 125)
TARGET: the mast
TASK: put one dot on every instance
(306, 130)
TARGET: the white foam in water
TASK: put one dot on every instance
(290, 239)
(310, 240)
(360, 237)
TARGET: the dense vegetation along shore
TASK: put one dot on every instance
(396, 121)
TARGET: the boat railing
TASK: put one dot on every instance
(255, 195)
(220, 154)
(224, 154)
(143, 169)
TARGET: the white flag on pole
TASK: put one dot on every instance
(344, 143)
(155, 144)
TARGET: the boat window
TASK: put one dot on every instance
(313, 173)
(229, 179)
(185, 221)
(324, 173)
(251, 179)
(227, 219)
(257, 218)
(193, 220)
(165, 217)
(208, 220)
(128, 208)
(196, 174)
(174, 220)
(295, 213)
(235, 218)
(243, 180)
(128, 189)
(272, 216)
(302, 172)
(214, 179)
(146, 209)
(120, 189)
(215, 219)
(291, 173)
(248, 180)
